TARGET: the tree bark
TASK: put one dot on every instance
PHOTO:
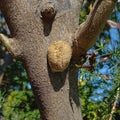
(34, 25)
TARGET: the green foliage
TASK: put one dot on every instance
(101, 108)
(18, 106)
(18, 101)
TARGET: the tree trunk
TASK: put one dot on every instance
(34, 25)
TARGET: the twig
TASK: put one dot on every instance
(114, 104)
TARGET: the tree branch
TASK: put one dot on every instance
(10, 44)
(85, 36)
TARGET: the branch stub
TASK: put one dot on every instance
(48, 11)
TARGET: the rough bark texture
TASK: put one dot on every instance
(55, 93)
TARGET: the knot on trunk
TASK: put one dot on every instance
(48, 11)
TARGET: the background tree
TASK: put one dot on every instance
(79, 37)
